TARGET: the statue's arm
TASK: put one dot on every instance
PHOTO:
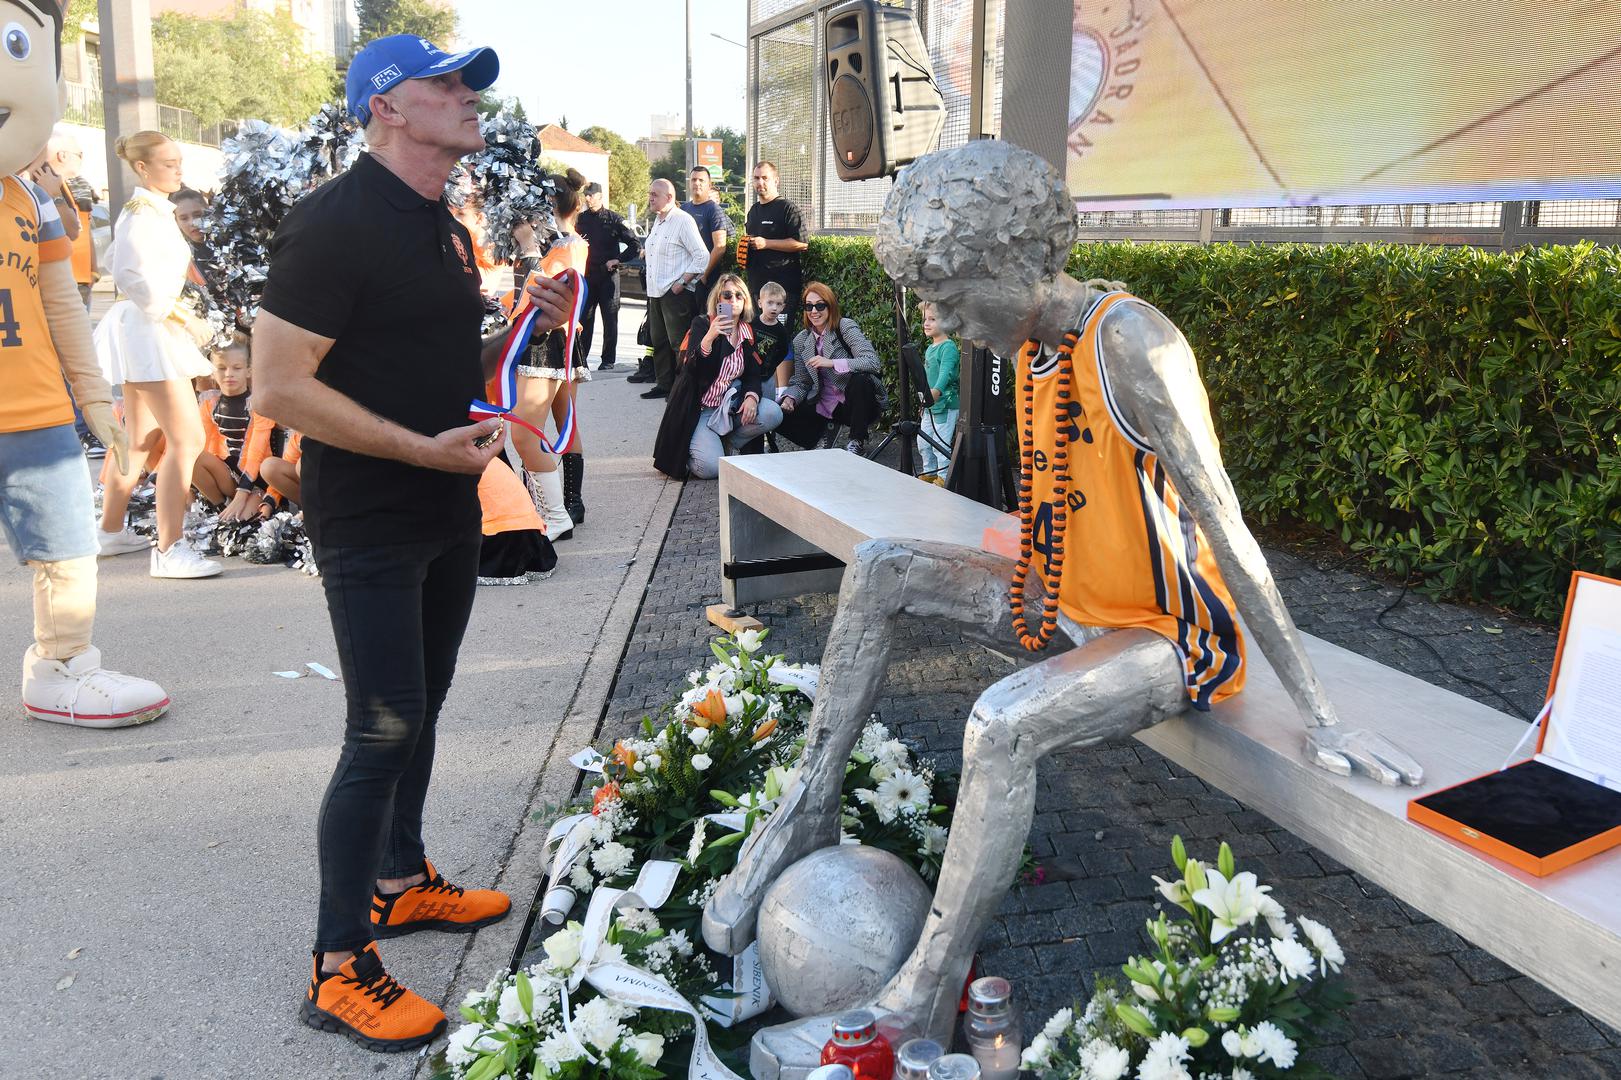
(1156, 386)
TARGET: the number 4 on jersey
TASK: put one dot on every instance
(9, 337)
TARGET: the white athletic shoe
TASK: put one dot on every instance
(83, 693)
(117, 543)
(181, 561)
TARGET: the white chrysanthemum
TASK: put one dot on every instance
(612, 859)
(1102, 1060)
(933, 839)
(639, 920)
(1322, 939)
(510, 1010)
(1234, 903)
(580, 877)
(680, 943)
(1276, 1047)
(701, 762)
(696, 847)
(1164, 1058)
(749, 642)
(1294, 959)
(1037, 1054)
(563, 947)
(596, 1023)
(1241, 1073)
(459, 1050)
(1277, 920)
(557, 1050)
(1058, 1023)
(906, 790)
(649, 1047)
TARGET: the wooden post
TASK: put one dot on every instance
(128, 86)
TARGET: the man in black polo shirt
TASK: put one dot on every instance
(776, 238)
(609, 243)
(368, 342)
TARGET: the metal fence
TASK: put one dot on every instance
(84, 106)
(788, 125)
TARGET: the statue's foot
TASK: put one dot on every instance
(789, 1051)
(784, 838)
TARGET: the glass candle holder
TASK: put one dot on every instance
(991, 1028)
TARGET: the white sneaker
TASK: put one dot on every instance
(83, 693)
(180, 561)
(117, 543)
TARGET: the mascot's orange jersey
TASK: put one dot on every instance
(31, 233)
(1135, 557)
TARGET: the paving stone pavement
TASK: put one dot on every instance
(1429, 1002)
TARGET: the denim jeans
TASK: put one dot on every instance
(707, 448)
(398, 614)
(941, 429)
(46, 509)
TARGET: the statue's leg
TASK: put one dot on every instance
(1106, 689)
(885, 579)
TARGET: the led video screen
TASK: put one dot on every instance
(1207, 103)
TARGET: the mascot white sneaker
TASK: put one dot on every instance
(46, 506)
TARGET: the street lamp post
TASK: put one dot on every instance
(692, 147)
(128, 94)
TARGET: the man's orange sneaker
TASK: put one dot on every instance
(436, 904)
(362, 1002)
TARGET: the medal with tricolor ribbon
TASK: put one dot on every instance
(506, 377)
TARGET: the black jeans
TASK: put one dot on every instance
(601, 295)
(669, 317)
(859, 409)
(398, 614)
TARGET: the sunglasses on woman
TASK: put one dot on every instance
(731, 296)
(816, 305)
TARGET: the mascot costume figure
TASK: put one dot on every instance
(46, 506)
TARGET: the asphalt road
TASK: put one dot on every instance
(159, 901)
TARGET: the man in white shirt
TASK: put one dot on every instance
(676, 258)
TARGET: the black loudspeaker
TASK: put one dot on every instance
(884, 108)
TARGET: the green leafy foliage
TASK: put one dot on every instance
(251, 65)
(1450, 413)
(424, 18)
(627, 168)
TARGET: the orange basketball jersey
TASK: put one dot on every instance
(1135, 557)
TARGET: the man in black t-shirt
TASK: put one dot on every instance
(713, 225)
(609, 242)
(776, 239)
(367, 341)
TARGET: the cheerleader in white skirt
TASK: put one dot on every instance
(149, 343)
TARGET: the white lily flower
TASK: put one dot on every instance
(1234, 903)
(748, 641)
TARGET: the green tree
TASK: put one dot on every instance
(628, 173)
(424, 18)
(251, 65)
(78, 12)
(489, 104)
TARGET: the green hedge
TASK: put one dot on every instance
(1449, 412)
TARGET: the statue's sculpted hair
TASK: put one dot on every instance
(984, 209)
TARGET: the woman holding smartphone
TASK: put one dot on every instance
(716, 403)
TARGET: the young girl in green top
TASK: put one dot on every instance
(941, 360)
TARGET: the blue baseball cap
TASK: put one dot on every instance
(383, 63)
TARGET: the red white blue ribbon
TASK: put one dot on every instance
(506, 379)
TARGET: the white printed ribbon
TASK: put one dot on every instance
(571, 838)
(632, 985)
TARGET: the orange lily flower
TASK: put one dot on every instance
(764, 730)
(624, 755)
(711, 711)
(605, 794)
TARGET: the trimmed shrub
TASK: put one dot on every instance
(1450, 413)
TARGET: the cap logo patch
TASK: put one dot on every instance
(386, 76)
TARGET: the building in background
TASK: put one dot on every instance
(571, 151)
(664, 129)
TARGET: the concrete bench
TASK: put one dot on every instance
(1563, 930)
